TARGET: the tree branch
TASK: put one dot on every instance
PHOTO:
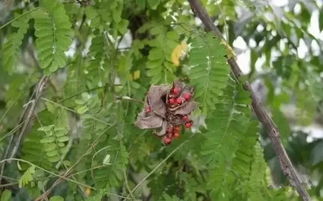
(258, 108)
(25, 121)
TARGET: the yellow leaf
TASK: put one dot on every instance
(136, 75)
(87, 191)
(179, 52)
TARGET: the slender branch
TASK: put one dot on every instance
(47, 171)
(8, 184)
(26, 120)
(75, 112)
(259, 109)
(156, 168)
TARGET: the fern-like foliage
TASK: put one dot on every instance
(166, 197)
(33, 149)
(228, 128)
(54, 141)
(53, 32)
(99, 67)
(115, 166)
(256, 184)
(235, 162)
(228, 124)
(11, 47)
(208, 69)
(46, 144)
(256, 181)
(27, 177)
(159, 66)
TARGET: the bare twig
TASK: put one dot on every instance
(259, 109)
(47, 171)
(25, 121)
(8, 184)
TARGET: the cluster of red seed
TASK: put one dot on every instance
(176, 98)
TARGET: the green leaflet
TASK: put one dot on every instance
(33, 149)
(256, 183)
(54, 141)
(227, 125)
(27, 177)
(53, 32)
(208, 69)
(166, 197)
(11, 47)
(229, 128)
(46, 144)
(159, 66)
(121, 48)
(5, 195)
(100, 65)
(255, 186)
(114, 169)
(56, 198)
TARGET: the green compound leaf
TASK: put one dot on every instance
(53, 32)
(208, 69)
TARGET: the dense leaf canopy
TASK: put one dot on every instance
(74, 74)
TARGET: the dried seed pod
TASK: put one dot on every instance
(166, 109)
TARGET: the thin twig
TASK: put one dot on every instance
(47, 171)
(11, 132)
(75, 112)
(8, 184)
(127, 98)
(259, 109)
(26, 120)
(127, 185)
(155, 168)
(68, 172)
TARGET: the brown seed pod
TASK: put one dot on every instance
(164, 109)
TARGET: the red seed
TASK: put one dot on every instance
(188, 124)
(179, 100)
(169, 135)
(167, 140)
(185, 118)
(172, 101)
(177, 128)
(176, 135)
(187, 96)
(176, 90)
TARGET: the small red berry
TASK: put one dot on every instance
(179, 100)
(172, 101)
(188, 124)
(176, 90)
(185, 118)
(167, 140)
(187, 96)
(177, 128)
(176, 135)
(148, 109)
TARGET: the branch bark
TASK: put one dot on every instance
(26, 120)
(258, 108)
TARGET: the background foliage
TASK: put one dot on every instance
(101, 57)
